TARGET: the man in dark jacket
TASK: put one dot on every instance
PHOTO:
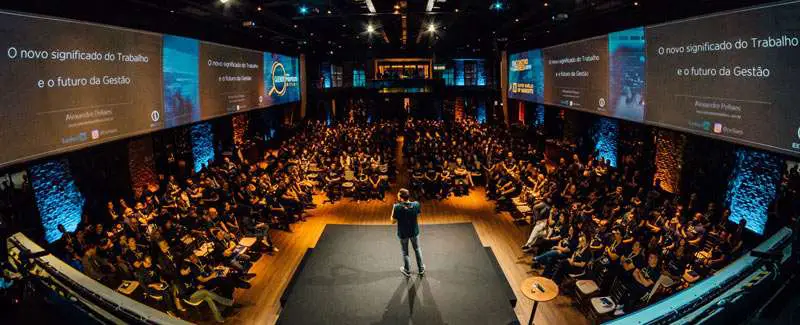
(405, 214)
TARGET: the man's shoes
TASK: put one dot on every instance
(405, 272)
(422, 271)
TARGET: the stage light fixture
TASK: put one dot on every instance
(546, 4)
(497, 6)
(303, 10)
(370, 29)
(258, 8)
(432, 28)
(223, 1)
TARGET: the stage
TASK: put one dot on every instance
(352, 276)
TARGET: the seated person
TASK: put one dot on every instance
(565, 246)
(577, 262)
(154, 287)
(196, 282)
(646, 276)
(252, 227)
(224, 248)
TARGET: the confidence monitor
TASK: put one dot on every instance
(68, 85)
(732, 75)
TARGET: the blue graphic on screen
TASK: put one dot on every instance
(526, 76)
(753, 187)
(58, 198)
(181, 80)
(626, 73)
(281, 79)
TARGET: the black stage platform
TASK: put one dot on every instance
(353, 277)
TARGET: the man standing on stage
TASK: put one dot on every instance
(405, 214)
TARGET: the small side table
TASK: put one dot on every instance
(539, 289)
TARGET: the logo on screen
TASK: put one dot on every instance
(95, 134)
(707, 125)
(279, 79)
(717, 127)
(155, 116)
(602, 102)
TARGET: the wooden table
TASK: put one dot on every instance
(539, 289)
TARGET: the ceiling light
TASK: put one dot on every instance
(396, 7)
(303, 10)
(370, 28)
(516, 20)
(456, 9)
(497, 5)
(258, 8)
(223, 1)
(432, 28)
(635, 3)
(546, 4)
(329, 11)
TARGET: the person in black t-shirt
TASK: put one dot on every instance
(579, 259)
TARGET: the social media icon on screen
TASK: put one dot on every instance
(155, 116)
(717, 127)
(707, 125)
(95, 134)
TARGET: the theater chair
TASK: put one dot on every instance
(591, 286)
(349, 187)
(522, 212)
(602, 308)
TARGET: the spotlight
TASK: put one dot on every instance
(635, 3)
(223, 1)
(396, 7)
(370, 29)
(432, 28)
(329, 11)
(546, 4)
(303, 10)
(497, 6)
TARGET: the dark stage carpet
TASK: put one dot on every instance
(352, 276)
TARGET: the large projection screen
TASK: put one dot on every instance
(68, 85)
(576, 75)
(732, 76)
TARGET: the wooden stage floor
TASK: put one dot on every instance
(261, 302)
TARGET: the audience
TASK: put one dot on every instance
(192, 240)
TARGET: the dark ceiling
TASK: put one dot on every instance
(337, 28)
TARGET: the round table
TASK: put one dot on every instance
(539, 289)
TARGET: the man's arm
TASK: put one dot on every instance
(391, 217)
